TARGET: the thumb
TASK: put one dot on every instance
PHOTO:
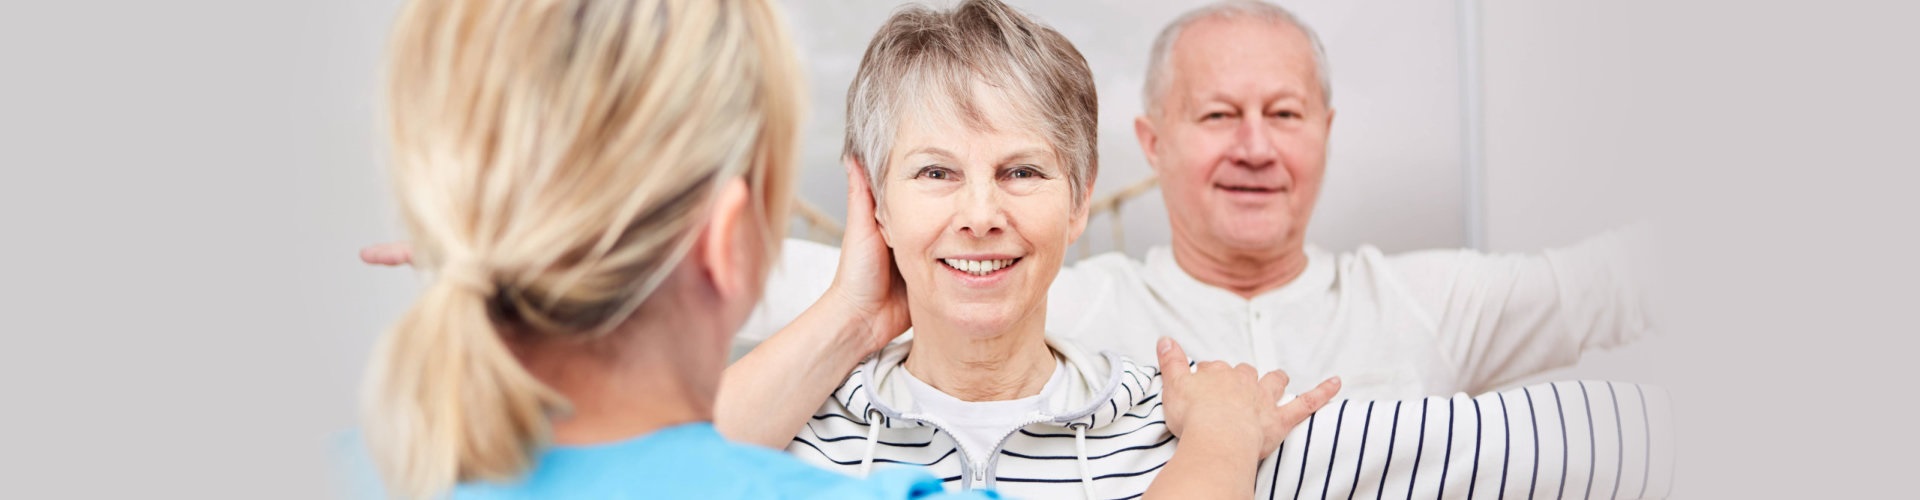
(1173, 362)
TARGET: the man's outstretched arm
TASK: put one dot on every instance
(1581, 439)
(1503, 317)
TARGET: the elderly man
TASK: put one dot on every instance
(1236, 125)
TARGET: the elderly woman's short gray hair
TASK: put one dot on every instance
(926, 59)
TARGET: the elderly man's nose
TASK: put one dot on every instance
(1253, 145)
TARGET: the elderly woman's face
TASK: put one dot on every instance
(978, 219)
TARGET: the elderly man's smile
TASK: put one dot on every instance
(1253, 194)
(1249, 188)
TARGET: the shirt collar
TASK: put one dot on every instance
(1165, 276)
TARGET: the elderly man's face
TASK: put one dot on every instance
(1240, 142)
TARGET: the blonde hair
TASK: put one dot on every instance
(924, 58)
(554, 160)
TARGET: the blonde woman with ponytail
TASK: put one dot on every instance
(596, 188)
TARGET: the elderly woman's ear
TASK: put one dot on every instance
(860, 191)
(1080, 215)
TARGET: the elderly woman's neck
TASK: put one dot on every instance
(973, 368)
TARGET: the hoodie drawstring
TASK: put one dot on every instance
(1080, 444)
(873, 442)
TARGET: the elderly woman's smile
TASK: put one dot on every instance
(981, 266)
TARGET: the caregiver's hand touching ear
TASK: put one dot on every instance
(1227, 420)
(766, 396)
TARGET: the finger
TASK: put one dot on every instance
(859, 192)
(1311, 401)
(1247, 369)
(388, 254)
(1173, 362)
(1275, 382)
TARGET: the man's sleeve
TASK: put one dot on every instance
(1501, 317)
(804, 272)
(1561, 440)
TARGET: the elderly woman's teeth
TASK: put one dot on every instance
(978, 267)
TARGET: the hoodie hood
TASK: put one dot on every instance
(1099, 388)
(1103, 398)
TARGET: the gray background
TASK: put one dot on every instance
(186, 183)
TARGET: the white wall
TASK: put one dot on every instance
(1767, 146)
(185, 185)
(1558, 95)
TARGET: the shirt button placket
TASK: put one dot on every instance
(1253, 339)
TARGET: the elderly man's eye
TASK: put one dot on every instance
(1217, 115)
(1287, 114)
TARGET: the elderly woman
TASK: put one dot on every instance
(580, 176)
(976, 127)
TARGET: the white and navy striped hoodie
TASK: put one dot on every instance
(1105, 437)
(1102, 436)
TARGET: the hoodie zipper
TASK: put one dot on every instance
(992, 458)
(977, 471)
(978, 474)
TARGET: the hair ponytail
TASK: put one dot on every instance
(448, 401)
(570, 148)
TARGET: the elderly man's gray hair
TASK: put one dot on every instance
(1159, 76)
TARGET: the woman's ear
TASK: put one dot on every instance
(860, 200)
(1080, 215)
(728, 249)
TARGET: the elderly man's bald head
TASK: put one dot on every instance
(1160, 60)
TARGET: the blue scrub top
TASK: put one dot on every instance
(685, 461)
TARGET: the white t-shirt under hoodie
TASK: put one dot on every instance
(980, 425)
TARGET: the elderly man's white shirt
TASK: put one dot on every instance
(1400, 326)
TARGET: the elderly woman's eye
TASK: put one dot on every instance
(1025, 172)
(933, 172)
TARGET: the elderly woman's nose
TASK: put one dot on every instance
(980, 212)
